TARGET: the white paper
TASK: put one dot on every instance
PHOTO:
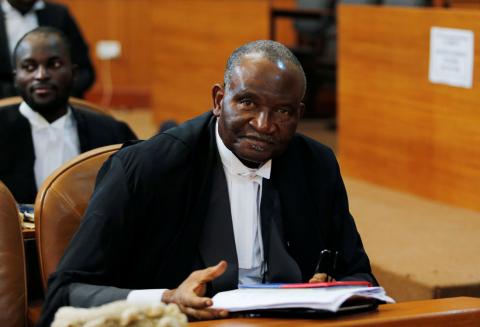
(328, 298)
(451, 57)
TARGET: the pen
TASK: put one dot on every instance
(324, 257)
(327, 263)
(332, 266)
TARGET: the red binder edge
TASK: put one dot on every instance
(326, 284)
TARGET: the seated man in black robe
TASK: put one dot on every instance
(235, 190)
(17, 17)
(44, 131)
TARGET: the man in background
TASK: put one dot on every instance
(18, 17)
(235, 189)
(45, 130)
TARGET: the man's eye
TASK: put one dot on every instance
(56, 64)
(284, 111)
(29, 67)
(246, 102)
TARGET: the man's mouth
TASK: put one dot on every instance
(260, 138)
(43, 89)
(259, 143)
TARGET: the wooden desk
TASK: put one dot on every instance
(28, 233)
(459, 311)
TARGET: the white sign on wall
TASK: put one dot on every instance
(451, 57)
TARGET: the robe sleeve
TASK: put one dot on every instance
(82, 295)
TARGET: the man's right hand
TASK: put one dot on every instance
(321, 278)
(189, 295)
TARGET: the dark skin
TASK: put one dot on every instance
(22, 5)
(258, 112)
(189, 296)
(44, 74)
(257, 115)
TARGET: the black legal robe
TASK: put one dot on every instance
(142, 227)
(18, 154)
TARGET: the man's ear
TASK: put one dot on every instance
(217, 97)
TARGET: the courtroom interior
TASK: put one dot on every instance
(393, 89)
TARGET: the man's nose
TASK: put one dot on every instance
(262, 122)
(42, 73)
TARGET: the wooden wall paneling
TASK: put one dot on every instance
(467, 4)
(172, 51)
(191, 43)
(285, 29)
(395, 127)
(128, 21)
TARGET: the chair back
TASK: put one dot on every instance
(13, 285)
(77, 103)
(61, 202)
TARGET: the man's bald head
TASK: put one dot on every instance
(273, 51)
(43, 32)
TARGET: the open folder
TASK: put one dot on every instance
(330, 298)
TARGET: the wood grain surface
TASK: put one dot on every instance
(395, 127)
(453, 312)
(192, 41)
(127, 21)
(173, 51)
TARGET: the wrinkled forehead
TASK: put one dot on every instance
(260, 57)
(44, 45)
(254, 70)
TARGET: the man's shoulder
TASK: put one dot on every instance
(9, 114)
(56, 15)
(101, 129)
(55, 7)
(306, 161)
(13, 126)
(191, 131)
(172, 146)
(159, 156)
(308, 155)
(94, 116)
(310, 146)
(9, 107)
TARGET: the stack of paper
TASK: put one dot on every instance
(328, 298)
